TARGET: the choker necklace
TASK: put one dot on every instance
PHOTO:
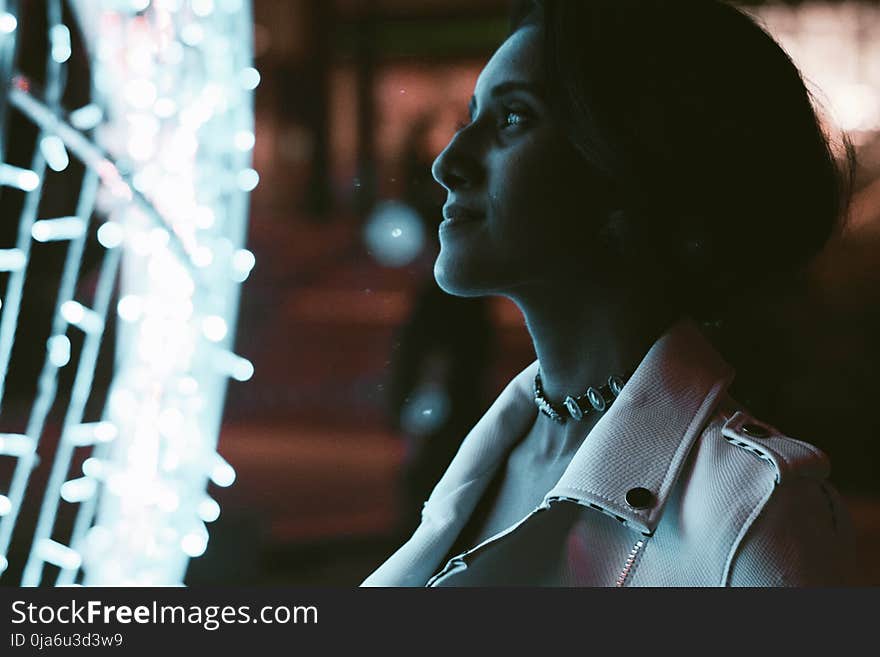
(598, 400)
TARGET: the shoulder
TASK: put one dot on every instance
(790, 527)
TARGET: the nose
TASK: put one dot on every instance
(457, 167)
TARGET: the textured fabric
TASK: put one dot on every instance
(728, 508)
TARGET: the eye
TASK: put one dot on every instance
(513, 118)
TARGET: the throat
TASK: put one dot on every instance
(550, 443)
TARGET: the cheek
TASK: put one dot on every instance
(538, 193)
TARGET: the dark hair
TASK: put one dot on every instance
(701, 129)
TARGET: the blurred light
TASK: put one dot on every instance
(168, 501)
(72, 311)
(233, 365)
(94, 467)
(170, 421)
(214, 328)
(202, 8)
(188, 386)
(92, 433)
(83, 318)
(63, 228)
(202, 256)
(123, 402)
(145, 180)
(54, 152)
(110, 234)
(12, 259)
(248, 179)
(182, 120)
(130, 308)
(244, 140)
(427, 409)
(231, 6)
(59, 37)
(87, 117)
(243, 262)
(13, 444)
(857, 107)
(194, 544)
(222, 473)
(164, 108)
(141, 147)
(250, 78)
(158, 239)
(5, 506)
(192, 34)
(59, 350)
(23, 179)
(104, 431)
(394, 234)
(204, 217)
(78, 490)
(8, 23)
(140, 93)
(57, 554)
(98, 539)
(209, 510)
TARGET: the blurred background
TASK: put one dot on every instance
(367, 376)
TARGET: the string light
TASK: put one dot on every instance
(173, 211)
(24, 179)
(59, 350)
(53, 230)
(12, 259)
(110, 235)
(53, 150)
(87, 117)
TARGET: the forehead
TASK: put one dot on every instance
(518, 58)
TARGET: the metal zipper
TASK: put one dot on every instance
(634, 553)
(460, 562)
(630, 562)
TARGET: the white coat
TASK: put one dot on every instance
(732, 502)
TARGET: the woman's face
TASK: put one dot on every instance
(517, 210)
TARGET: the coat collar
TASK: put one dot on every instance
(642, 441)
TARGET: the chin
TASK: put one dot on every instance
(462, 281)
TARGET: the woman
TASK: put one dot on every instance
(628, 167)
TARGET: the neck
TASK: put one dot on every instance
(580, 345)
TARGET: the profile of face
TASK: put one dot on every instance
(519, 212)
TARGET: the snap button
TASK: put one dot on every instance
(755, 431)
(639, 498)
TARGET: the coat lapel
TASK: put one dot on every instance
(456, 494)
(643, 440)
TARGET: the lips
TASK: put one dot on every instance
(457, 213)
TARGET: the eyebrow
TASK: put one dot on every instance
(506, 87)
